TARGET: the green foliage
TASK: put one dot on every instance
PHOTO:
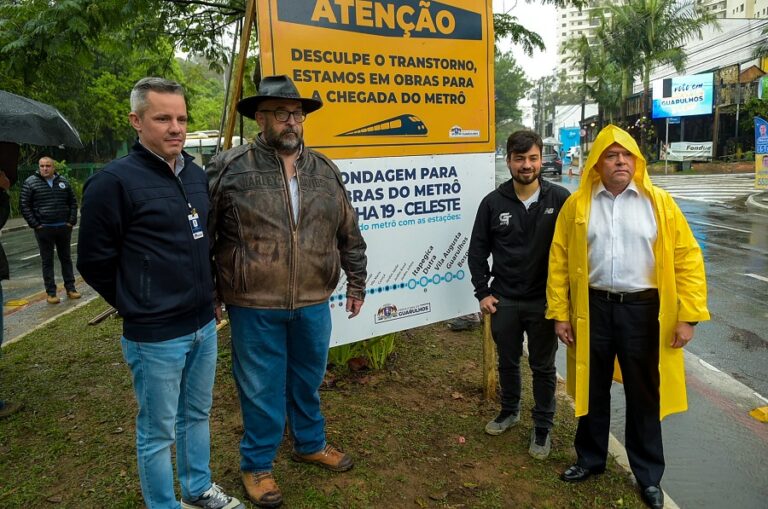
(83, 56)
(754, 107)
(340, 355)
(376, 350)
(510, 87)
(642, 34)
(505, 25)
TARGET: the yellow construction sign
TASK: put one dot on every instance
(397, 78)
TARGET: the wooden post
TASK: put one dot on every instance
(490, 372)
(245, 37)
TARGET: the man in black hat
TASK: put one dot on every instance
(281, 227)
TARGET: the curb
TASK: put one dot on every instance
(10, 229)
(615, 447)
(758, 202)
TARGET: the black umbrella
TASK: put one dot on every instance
(23, 120)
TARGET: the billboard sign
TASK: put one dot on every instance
(683, 96)
(761, 153)
(398, 77)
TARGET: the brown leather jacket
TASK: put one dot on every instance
(262, 257)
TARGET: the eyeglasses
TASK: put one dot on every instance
(282, 115)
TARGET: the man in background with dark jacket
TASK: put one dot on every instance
(515, 224)
(144, 247)
(282, 229)
(49, 206)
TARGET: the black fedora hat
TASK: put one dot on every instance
(276, 87)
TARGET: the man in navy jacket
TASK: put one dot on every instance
(144, 247)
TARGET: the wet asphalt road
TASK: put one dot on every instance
(24, 263)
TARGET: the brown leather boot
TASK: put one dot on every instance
(262, 489)
(330, 458)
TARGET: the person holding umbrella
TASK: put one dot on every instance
(49, 207)
(7, 408)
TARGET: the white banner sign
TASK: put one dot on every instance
(416, 214)
(690, 151)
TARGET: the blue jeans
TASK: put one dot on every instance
(278, 360)
(173, 382)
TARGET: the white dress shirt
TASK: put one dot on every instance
(620, 238)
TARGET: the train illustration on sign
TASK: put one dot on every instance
(403, 125)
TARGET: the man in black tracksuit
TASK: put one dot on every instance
(49, 206)
(515, 224)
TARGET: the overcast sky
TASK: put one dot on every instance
(537, 18)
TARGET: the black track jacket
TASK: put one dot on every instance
(518, 239)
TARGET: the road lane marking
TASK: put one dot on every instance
(38, 254)
(704, 223)
(757, 276)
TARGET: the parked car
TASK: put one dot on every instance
(551, 163)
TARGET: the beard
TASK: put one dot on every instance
(286, 141)
(526, 179)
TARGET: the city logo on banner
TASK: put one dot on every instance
(389, 312)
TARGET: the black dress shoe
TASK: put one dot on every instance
(653, 497)
(576, 473)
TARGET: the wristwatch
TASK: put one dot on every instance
(692, 324)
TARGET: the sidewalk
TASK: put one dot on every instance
(14, 224)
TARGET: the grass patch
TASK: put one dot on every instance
(415, 429)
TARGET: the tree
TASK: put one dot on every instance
(602, 79)
(84, 55)
(505, 25)
(651, 33)
(511, 85)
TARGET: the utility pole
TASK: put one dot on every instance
(582, 129)
(540, 111)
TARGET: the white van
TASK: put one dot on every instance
(202, 145)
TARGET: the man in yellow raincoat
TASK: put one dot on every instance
(626, 282)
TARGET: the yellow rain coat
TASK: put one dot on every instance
(679, 274)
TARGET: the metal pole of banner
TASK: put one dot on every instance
(666, 146)
(229, 83)
(245, 37)
(490, 373)
(738, 104)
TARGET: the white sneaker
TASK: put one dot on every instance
(214, 498)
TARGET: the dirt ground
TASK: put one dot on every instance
(415, 429)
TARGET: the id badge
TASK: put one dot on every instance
(194, 223)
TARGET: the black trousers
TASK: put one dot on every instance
(631, 332)
(511, 319)
(59, 237)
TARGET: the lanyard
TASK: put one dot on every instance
(184, 192)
